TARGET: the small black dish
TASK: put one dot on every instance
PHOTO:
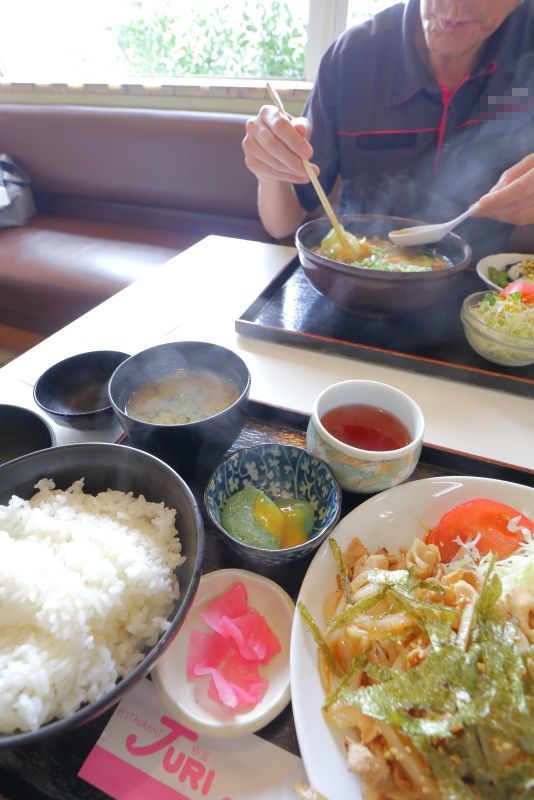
(191, 448)
(74, 392)
(21, 432)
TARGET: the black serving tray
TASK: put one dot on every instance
(290, 311)
(48, 769)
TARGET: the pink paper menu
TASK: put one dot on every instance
(145, 754)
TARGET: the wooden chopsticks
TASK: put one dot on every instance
(275, 97)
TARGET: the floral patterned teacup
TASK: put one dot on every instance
(366, 471)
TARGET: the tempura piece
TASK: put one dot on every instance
(332, 248)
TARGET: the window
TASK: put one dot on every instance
(360, 11)
(121, 41)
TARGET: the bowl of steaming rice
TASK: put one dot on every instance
(100, 558)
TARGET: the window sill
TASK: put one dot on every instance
(194, 94)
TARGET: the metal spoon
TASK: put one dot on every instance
(428, 234)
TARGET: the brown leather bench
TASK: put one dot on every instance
(118, 192)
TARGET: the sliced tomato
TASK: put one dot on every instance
(525, 289)
(488, 518)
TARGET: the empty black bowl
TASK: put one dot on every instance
(368, 292)
(22, 431)
(75, 391)
(193, 447)
(112, 466)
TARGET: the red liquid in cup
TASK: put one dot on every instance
(366, 427)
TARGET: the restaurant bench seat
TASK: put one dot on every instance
(118, 192)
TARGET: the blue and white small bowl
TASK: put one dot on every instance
(280, 471)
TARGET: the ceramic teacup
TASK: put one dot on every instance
(356, 469)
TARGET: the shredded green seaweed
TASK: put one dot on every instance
(341, 569)
(468, 707)
(317, 636)
(389, 577)
(378, 673)
(437, 620)
(356, 666)
(462, 709)
(351, 612)
(430, 584)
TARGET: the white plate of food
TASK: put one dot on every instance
(498, 270)
(189, 699)
(392, 520)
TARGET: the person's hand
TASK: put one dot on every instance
(512, 198)
(275, 145)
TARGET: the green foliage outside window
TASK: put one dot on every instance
(264, 40)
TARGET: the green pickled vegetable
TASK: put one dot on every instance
(253, 517)
(238, 520)
(300, 510)
(498, 276)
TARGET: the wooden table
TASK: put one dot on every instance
(198, 295)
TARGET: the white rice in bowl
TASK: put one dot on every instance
(86, 582)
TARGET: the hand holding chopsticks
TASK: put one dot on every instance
(342, 237)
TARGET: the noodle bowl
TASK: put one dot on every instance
(372, 292)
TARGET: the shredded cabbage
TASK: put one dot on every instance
(509, 315)
(516, 570)
(501, 329)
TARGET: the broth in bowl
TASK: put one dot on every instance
(186, 395)
(381, 254)
(182, 401)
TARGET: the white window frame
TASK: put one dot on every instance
(327, 19)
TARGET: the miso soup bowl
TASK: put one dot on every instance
(192, 447)
(366, 471)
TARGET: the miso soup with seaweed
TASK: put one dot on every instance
(186, 395)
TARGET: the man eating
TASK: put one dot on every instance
(418, 113)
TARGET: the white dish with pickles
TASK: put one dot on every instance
(498, 270)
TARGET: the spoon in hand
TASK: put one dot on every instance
(349, 251)
(429, 234)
